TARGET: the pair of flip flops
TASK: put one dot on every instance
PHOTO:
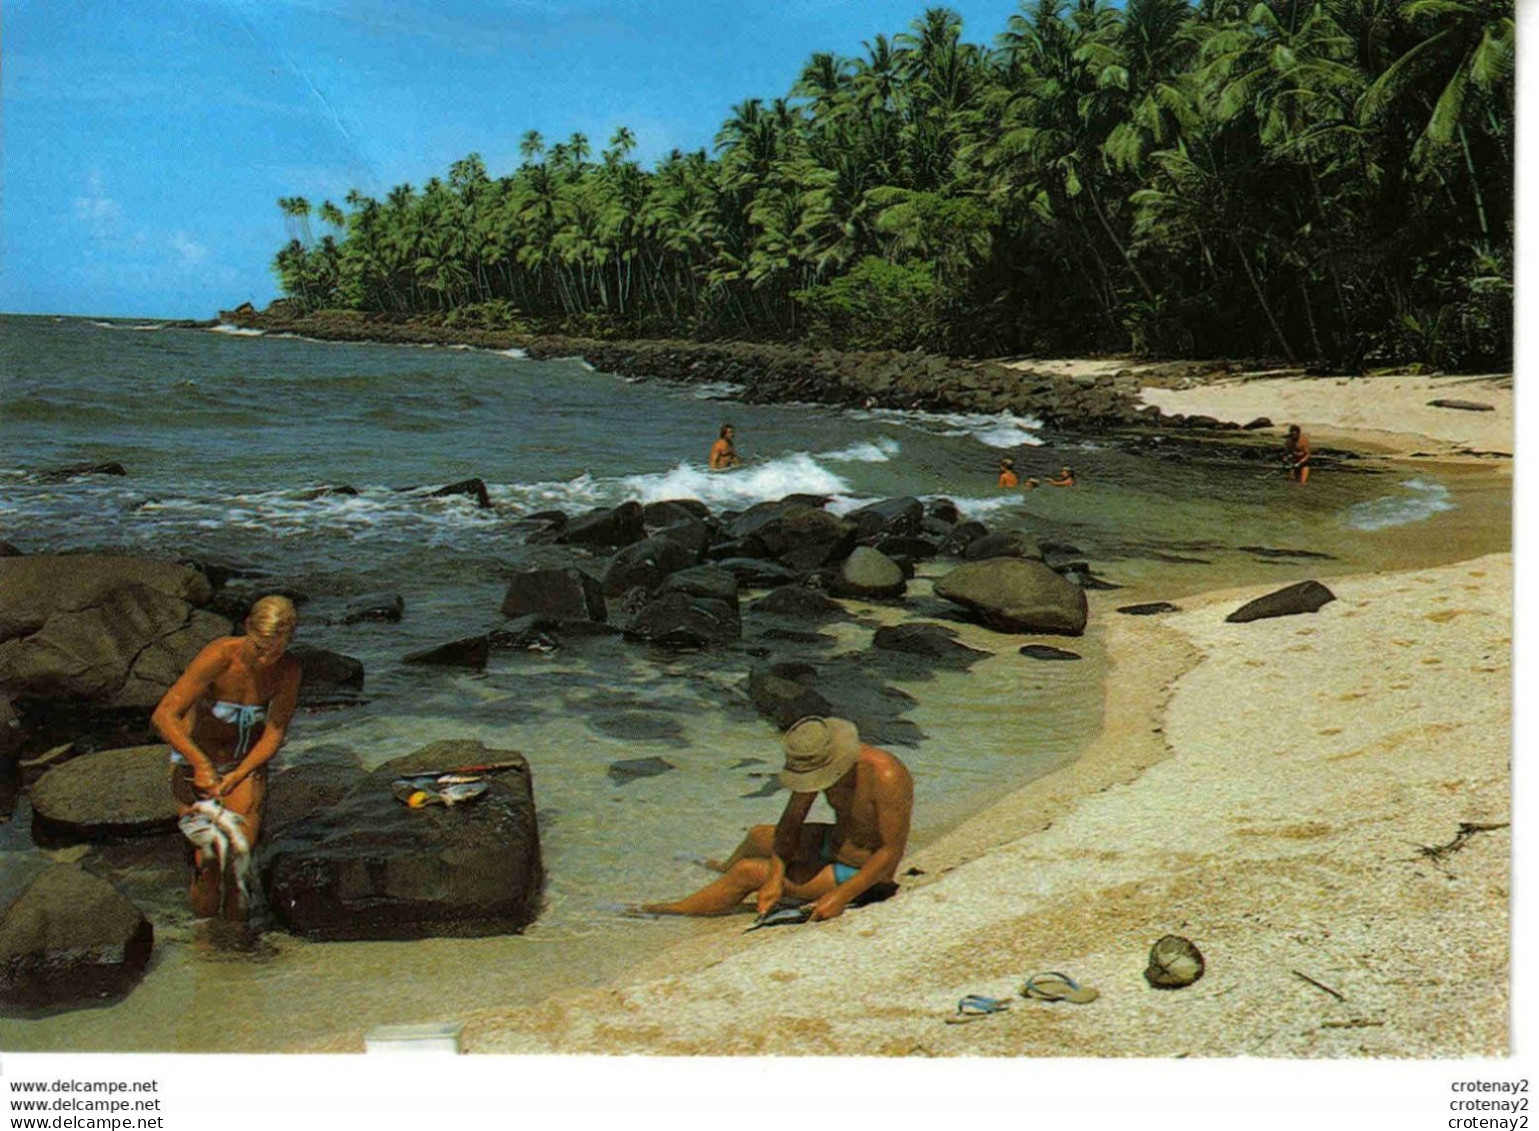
(1049, 986)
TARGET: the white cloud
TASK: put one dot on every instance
(98, 213)
(190, 250)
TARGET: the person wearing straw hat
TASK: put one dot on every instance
(828, 865)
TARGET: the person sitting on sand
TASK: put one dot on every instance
(224, 719)
(1007, 475)
(1065, 478)
(722, 454)
(832, 865)
(1296, 454)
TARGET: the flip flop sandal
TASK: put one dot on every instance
(1053, 986)
(975, 1007)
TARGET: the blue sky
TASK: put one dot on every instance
(146, 143)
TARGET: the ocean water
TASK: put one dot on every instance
(226, 434)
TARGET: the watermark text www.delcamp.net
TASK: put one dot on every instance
(86, 1105)
(1489, 1105)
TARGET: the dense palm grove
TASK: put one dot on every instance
(1327, 181)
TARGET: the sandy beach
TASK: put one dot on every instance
(1289, 794)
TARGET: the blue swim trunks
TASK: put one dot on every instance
(842, 872)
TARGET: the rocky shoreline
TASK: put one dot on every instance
(779, 373)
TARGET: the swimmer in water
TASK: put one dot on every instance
(1296, 454)
(723, 456)
(1065, 478)
(1007, 475)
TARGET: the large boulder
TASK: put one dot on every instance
(963, 535)
(324, 674)
(800, 602)
(468, 652)
(682, 620)
(755, 573)
(703, 581)
(1003, 544)
(1015, 595)
(795, 533)
(105, 796)
(114, 631)
(71, 939)
(868, 573)
(369, 867)
(556, 594)
(1305, 597)
(646, 564)
(617, 526)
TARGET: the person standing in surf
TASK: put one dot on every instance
(829, 865)
(1296, 454)
(1007, 476)
(723, 456)
(224, 719)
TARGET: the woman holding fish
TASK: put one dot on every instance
(224, 719)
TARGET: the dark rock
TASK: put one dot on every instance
(784, 693)
(703, 581)
(471, 488)
(638, 726)
(963, 536)
(799, 601)
(920, 638)
(645, 564)
(1003, 544)
(915, 549)
(755, 573)
(670, 512)
(368, 867)
(944, 510)
(796, 636)
(1047, 652)
(71, 939)
(682, 621)
(559, 594)
(894, 517)
(1199, 421)
(1174, 962)
(631, 769)
(7, 550)
(1015, 595)
(11, 737)
(1259, 422)
(1149, 609)
(693, 534)
(296, 789)
(111, 631)
(1467, 406)
(531, 633)
(384, 608)
(1305, 597)
(470, 652)
(76, 470)
(1270, 552)
(868, 573)
(105, 796)
(615, 527)
(323, 671)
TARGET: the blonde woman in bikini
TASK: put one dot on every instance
(224, 719)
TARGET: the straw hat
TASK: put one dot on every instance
(819, 752)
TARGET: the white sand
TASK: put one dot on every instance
(1392, 411)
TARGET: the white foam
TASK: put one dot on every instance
(880, 450)
(716, 391)
(984, 509)
(997, 430)
(515, 353)
(797, 473)
(238, 331)
(1424, 500)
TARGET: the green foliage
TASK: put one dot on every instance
(1321, 180)
(878, 305)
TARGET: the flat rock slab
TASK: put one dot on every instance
(1305, 597)
(1467, 406)
(1276, 552)
(471, 652)
(105, 796)
(1016, 595)
(368, 867)
(1148, 610)
(1048, 652)
(631, 769)
(71, 939)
